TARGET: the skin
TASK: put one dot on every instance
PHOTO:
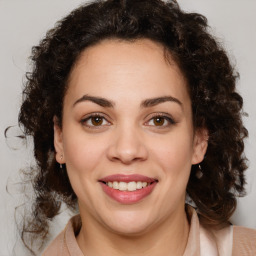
(129, 141)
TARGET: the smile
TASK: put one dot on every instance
(128, 189)
(128, 186)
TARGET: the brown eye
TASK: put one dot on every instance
(159, 121)
(97, 120)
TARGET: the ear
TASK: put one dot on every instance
(200, 145)
(58, 142)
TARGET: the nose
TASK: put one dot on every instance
(127, 147)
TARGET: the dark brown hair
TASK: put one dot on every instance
(211, 79)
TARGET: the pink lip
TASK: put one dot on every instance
(128, 197)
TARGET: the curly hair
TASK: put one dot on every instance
(202, 60)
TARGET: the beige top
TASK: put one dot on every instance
(229, 241)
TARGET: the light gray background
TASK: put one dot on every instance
(24, 22)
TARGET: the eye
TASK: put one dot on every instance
(160, 120)
(95, 121)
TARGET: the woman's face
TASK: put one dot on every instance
(127, 137)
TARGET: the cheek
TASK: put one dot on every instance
(176, 149)
(82, 154)
(174, 155)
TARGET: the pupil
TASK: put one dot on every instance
(159, 121)
(96, 120)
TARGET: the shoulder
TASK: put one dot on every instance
(56, 247)
(244, 241)
(65, 243)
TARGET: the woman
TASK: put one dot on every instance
(132, 107)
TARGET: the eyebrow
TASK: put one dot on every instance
(98, 100)
(155, 101)
(110, 104)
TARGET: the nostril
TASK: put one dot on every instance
(127, 149)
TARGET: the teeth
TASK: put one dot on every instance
(115, 185)
(131, 186)
(127, 186)
(122, 186)
(139, 185)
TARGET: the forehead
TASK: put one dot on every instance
(113, 66)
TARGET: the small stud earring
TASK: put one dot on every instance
(199, 173)
(61, 157)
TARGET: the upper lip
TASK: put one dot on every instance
(127, 178)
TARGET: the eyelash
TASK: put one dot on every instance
(99, 115)
(170, 120)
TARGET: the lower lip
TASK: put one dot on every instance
(128, 197)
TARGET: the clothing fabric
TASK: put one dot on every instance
(228, 241)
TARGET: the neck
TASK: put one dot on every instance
(167, 238)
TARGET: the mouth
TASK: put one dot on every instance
(127, 186)
(128, 189)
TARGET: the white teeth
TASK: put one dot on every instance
(139, 185)
(115, 185)
(122, 186)
(131, 186)
(127, 186)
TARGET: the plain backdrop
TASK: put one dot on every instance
(24, 22)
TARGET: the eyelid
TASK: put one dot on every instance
(94, 114)
(164, 115)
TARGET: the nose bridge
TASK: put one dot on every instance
(127, 145)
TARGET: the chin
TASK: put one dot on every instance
(129, 223)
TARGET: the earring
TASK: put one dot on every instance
(61, 157)
(199, 173)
